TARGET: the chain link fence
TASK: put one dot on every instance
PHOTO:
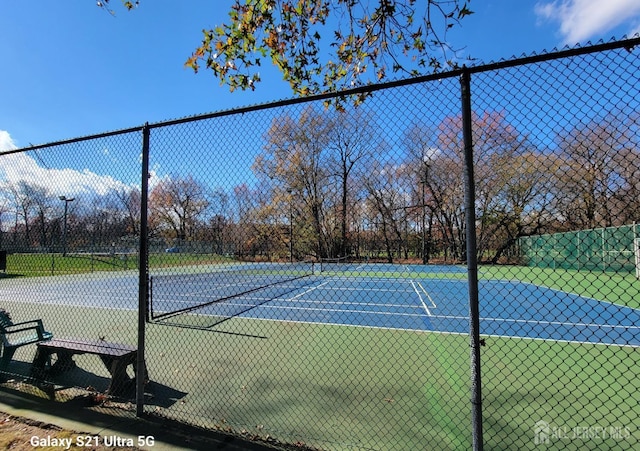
(348, 272)
(70, 233)
(605, 249)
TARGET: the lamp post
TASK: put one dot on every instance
(66, 201)
(290, 192)
(425, 161)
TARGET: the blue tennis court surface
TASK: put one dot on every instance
(507, 308)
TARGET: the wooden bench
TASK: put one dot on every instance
(115, 356)
(15, 335)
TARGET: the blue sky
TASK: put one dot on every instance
(71, 69)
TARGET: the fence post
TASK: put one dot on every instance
(143, 273)
(472, 263)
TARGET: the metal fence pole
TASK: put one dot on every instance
(472, 264)
(143, 274)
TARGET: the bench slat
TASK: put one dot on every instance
(116, 357)
(89, 347)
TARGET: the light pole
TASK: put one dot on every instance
(66, 201)
(425, 161)
(290, 225)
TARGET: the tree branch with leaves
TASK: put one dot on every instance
(327, 45)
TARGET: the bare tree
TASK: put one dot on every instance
(176, 204)
(597, 166)
(353, 141)
(130, 199)
(295, 159)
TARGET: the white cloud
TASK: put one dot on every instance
(6, 143)
(154, 178)
(19, 167)
(583, 20)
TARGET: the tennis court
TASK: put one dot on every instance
(407, 326)
(422, 298)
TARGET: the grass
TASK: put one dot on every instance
(31, 265)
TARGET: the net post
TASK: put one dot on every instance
(636, 249)
(143, 273)
(472, 264)
(636, 253)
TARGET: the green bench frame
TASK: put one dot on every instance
(14, 335)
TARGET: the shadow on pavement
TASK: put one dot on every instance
(77, 415)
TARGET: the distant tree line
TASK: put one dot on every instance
(331, 184)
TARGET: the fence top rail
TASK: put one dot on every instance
(72, 140)
(632, 227)
(626, 43)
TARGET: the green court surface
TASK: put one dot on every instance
(347, 386)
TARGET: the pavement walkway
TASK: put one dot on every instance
(165, 435)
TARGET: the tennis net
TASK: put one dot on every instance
(173, 294)
(336, 264)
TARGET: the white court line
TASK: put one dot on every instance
(371, 289)
(306, 291)
(541, 322)
(323, 310)
(327, 302)
(326, 309)
(176, 297)
(420, 297)
(427, 295)
(569, 293)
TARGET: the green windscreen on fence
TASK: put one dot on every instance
(605, 249)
